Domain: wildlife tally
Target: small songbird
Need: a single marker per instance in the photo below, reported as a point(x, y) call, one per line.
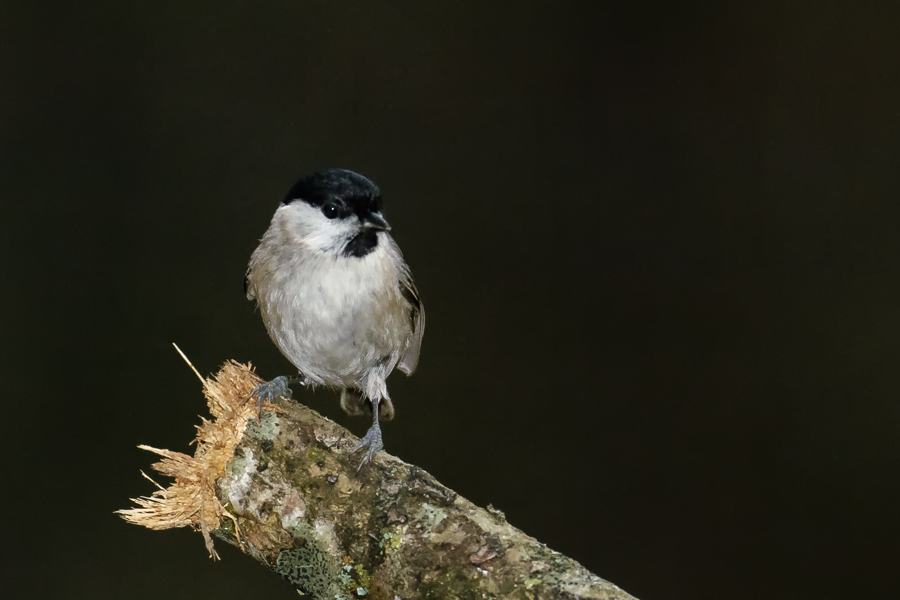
point(336, 296)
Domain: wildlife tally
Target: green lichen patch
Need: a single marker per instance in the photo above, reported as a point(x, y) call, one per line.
point(311, 570)
point(266, 430)
point(430, 516)
point(532, 582)
point(241, 465)
point(355, 579)
point(365, 580)
point(296, 526)
point(391, 542)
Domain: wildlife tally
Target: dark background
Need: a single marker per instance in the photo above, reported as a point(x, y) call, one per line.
point(658, 246)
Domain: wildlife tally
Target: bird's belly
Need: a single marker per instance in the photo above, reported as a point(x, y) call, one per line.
point(335, 329)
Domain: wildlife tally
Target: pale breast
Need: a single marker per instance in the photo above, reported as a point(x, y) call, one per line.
point(335, 318)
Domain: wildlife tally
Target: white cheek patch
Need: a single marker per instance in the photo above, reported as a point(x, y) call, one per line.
point(309, 226)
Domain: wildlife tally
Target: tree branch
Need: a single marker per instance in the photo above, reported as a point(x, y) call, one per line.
point(286, 492)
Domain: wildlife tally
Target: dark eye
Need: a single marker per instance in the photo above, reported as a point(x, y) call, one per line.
point(330, 210)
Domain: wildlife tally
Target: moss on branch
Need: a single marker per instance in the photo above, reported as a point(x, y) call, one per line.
point(286, 492)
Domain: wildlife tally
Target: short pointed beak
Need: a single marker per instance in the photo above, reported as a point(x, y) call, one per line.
point(375, 221)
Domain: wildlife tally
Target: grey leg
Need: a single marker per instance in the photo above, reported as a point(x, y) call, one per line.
point(372, 440)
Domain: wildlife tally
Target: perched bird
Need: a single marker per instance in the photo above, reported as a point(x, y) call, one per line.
point(336, 296)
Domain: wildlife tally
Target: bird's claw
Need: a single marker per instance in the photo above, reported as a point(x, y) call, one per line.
point(269, 390)
point(371, 441)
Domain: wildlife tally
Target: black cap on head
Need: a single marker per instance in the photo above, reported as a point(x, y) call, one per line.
point(340, 185)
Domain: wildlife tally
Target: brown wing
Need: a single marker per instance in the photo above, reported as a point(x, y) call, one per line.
point(410, 358)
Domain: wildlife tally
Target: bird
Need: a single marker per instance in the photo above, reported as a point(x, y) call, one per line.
point(337, 297)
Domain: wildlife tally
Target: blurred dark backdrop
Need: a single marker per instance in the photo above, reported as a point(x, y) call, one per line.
point(658, 246)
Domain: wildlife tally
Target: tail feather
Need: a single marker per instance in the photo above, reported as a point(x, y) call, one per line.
point(354, 402)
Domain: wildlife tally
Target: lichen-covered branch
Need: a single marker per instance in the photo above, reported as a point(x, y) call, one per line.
point(286, 491)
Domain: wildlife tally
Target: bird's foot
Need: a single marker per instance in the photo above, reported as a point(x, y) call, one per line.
point(269, 390)
point(372, 443)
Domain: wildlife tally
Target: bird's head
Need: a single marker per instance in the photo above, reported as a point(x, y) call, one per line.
point(335, 211)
